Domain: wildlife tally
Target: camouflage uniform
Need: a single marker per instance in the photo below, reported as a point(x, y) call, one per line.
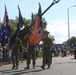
point(15, 53)
point(47, 52)
point(31, 54)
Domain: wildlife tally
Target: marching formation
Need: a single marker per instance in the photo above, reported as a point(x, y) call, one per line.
point(12, 45)
point(16, 52)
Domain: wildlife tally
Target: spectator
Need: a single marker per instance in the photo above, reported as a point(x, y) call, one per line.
point(1, 55)
point(15, 53)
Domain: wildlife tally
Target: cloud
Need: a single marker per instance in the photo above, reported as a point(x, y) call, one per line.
point(59, 29)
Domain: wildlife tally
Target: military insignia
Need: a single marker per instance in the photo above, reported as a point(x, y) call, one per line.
point(39, 31)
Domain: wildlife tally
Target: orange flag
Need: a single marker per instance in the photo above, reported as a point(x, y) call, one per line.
point(37, 32)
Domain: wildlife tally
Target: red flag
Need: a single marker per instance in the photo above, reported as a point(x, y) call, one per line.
point(37, 32)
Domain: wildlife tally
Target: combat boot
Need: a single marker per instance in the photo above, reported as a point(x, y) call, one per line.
point(42, 67)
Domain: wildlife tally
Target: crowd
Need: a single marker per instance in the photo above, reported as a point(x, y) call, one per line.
point(17, 52)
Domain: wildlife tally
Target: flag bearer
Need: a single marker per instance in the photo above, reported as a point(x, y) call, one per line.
point(15, 53)
point(46, 50)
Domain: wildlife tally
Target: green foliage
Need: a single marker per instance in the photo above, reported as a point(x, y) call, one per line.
point(40, 54)
point(14, 22)
point(52, 38)
point(13, 25)
point(0, 24)
point(72, 41)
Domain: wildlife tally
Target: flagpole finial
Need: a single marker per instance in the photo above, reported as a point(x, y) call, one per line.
point(56, 1)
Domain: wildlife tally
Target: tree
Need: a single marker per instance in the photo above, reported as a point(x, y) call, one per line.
point(13, 25)
point(27, 22)
point(52, 37)
point(44, 23)
point(72, 41)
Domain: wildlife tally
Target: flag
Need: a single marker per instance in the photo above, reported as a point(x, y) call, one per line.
point(20, 26)
point(5, 29)
point(37, 32)
point(20, 21)
point(0, 36)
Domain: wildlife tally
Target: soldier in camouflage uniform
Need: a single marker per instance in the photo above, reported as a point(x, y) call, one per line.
point(15, 53)
point(46, 50)
point(31, 54)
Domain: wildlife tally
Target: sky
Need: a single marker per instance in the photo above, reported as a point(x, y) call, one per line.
point(56, 16)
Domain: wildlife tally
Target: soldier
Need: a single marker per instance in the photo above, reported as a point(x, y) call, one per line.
point(15, 53)
point(46, 50)
point(21, 53)
point(30, 55)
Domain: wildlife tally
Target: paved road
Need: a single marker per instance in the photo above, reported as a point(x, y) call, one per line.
point(60, 66)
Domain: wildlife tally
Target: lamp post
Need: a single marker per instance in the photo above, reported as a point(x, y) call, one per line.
point(68, 24)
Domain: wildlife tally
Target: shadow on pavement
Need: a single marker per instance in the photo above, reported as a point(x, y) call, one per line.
point(72, 58)
point(19, 72)
point(65, 62)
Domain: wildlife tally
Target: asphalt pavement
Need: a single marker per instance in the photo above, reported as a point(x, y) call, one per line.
point(60, 66)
